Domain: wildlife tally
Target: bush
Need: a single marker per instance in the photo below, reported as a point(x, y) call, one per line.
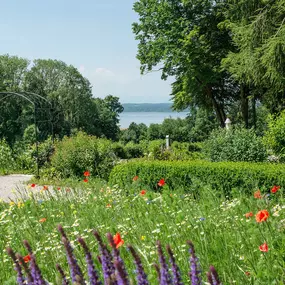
point(74, 155)
point(6, 159)
point(236, 144)
point(224, 177)
point(133, 150)
point(274, 137)
point(185, 151)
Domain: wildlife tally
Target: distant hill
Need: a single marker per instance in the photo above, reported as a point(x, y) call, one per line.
point(147, 107)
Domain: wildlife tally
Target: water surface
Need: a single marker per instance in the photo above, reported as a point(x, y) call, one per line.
point(126, 118)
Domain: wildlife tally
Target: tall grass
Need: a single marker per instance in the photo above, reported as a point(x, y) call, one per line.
point(221, 233)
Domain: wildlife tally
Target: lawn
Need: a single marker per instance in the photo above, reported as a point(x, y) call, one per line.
point(222, 233)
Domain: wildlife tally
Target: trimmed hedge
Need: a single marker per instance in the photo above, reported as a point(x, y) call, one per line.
point(222, 176)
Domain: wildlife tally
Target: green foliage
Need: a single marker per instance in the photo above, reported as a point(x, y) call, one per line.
point(275, 135)
point(185, 151)
point(74, 155)
point(6, 158)
point(184, 40)
point(236, 144)
point(223, 177)
point(134, 150)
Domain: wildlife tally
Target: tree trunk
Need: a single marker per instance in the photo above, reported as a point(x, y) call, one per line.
point(253, 111)
point(244, 104)
point(218, 109)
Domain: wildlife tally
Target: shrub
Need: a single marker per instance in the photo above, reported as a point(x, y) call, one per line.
point(74, 155)
point(184, 151)
point(134, 150)
point(274, 137)
point(236, 144)
point(6, 158)
point(224, 177)
point(156, 149)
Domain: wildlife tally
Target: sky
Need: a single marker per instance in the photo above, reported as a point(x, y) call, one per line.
point(93, 35)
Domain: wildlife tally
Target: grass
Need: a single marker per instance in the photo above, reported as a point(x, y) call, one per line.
point(217, 226)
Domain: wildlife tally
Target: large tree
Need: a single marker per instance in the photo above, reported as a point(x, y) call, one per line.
point(258, 31)
point(68, 91)
point(12, 73)
point(182, 39)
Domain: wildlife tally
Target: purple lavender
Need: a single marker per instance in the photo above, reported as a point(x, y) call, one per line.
point(106, 261)
point(121, 273)
point(75, 270)
point(35, 270)
point(165, 277)
point(18, 269)
point(113, 267)
point(174, 268)
point(30, 280)
point(62, 274)
point(141, 275)
point(194, 270)
point(118, 262)
point(213, 277)
point(92, 273)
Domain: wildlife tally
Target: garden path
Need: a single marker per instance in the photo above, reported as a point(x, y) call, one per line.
point(10, 184)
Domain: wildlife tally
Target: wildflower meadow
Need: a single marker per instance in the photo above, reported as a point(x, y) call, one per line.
point(241, 236)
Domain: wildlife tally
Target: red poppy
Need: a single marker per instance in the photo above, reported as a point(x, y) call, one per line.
point(27, 258)
point(42, 220)
point(262, 216)
point(33, 185)
point(143, 192)
point(58, 188)
point(275, 189)
point(263, 247)
point(161, 182)
point(109, 206)
point(45, 187)
point(250, 214)
point(86, 173)
point(117, 240)
point(247, 273)
point(85, 180)
point(257, 194)
point(135, 178)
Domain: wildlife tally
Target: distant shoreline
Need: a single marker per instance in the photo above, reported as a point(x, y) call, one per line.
point(149, 108)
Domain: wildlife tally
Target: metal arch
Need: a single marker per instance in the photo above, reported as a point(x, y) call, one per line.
point(24, 96)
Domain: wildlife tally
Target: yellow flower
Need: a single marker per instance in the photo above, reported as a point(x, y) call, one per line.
point(143, 237)
point(20, 205)
point(12, 203)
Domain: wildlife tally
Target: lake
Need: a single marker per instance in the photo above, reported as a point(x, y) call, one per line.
point(126, 118)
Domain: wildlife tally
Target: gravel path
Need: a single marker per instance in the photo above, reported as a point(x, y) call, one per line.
point(12, 183)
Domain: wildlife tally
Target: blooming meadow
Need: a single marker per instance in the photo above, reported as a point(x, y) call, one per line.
point(241, 236)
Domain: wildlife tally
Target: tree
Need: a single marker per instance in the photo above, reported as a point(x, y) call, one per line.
point(109, 109)
point(258, 30)
point(12, 121)
point(68, 91)
point(182, 39)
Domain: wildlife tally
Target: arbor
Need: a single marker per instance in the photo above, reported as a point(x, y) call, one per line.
point(182, 39)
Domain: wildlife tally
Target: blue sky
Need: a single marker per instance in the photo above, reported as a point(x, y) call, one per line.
point(93, 35)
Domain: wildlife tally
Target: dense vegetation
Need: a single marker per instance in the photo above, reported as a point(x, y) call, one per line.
point(223, 188)
point(225, 56)
point(242, 237)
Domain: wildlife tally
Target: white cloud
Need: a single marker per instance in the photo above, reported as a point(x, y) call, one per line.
point(104, 71)
point(81, 68)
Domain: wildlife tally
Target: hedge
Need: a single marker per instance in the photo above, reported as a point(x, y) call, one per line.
point(222, 176)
